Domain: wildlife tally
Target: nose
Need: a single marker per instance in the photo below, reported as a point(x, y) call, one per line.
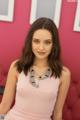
point(41, 46)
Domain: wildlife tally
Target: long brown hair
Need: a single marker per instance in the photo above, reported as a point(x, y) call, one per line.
point(27, 58)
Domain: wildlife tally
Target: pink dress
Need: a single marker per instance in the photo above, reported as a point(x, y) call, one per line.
point(33, 103)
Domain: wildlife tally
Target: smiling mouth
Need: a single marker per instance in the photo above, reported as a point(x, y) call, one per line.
point(41, 53)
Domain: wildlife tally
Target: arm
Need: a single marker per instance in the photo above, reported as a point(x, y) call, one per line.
point(62, 94)
point(10, 89)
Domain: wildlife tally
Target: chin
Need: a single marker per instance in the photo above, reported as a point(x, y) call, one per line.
point(41, 57)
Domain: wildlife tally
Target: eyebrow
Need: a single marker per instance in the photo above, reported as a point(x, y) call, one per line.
point(39, 39)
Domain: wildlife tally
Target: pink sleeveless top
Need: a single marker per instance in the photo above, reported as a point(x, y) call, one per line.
point(33, 103)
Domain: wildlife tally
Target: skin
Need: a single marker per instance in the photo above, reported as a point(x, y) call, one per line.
point(62, 94)
point(41, 42)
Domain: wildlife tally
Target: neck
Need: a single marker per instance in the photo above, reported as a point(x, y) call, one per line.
point(40, 63)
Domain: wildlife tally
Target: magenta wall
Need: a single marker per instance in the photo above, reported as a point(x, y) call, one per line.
point(70, 40)
point(12, 36)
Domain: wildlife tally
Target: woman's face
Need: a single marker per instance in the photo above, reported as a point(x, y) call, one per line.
point(42, 43)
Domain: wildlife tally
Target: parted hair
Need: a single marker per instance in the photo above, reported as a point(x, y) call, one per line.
point(27, 58)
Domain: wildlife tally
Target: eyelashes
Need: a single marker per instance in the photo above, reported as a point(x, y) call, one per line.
point(48, 42)
point(37, 41)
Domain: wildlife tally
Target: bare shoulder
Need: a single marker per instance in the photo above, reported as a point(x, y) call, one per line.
point(13, 64)
point(62, 93)
point(66, 75)
point(10, 87)
point(66, 71)
point(13, 68)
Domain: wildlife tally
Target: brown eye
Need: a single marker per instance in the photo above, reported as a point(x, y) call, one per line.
point(48, 42)
point(35, 40)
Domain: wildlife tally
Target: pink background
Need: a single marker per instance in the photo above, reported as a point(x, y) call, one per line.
point(12, 36)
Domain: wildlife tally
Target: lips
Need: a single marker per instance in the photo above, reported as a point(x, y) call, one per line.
point(41, 53)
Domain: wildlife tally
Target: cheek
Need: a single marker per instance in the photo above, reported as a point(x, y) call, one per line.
point(34, 47)
point(49, 48)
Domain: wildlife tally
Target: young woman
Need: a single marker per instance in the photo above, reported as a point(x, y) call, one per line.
point(38, 80)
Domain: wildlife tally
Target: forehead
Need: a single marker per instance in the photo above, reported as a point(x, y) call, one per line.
point(42, 34)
